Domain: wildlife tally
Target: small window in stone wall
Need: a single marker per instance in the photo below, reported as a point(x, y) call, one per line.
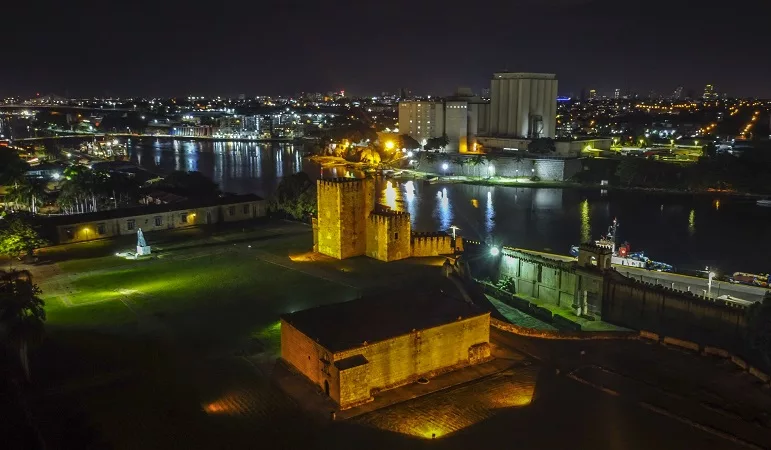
point(232, 211)
point(396, 236)
point(131, 224)
point(183, 217)
point(101, 229)
point(158, 221)
point(68, 231)
point(246, 209)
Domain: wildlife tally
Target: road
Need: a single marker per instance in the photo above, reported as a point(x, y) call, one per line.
point(694, 284)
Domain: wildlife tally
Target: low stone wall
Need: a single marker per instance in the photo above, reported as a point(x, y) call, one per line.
point(504, 166)
point(688, 345)
point(710, 351)
point(563, 335)
point(432, 244)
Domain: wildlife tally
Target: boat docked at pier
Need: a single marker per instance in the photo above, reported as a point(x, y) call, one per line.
point(105, 149)
point(623, 255)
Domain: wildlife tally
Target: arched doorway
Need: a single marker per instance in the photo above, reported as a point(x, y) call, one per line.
point(326, 387)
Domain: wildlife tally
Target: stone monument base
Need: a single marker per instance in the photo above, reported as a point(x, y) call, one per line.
point(141, 251)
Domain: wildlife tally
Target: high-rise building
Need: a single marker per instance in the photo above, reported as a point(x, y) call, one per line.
point(456, 119)
point(709, 92)
point(592, 94)
point(523, 105)
point(421, 120)
point(678, 94)
point(617, 94)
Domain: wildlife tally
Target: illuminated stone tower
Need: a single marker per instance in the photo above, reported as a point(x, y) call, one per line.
point(349, 223)
point(343, 207)
point(389, 234)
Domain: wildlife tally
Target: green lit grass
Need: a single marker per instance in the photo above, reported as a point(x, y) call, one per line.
point(213, 291)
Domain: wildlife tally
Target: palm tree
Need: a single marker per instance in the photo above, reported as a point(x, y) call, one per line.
point(22, 314)
point(460, 162)
point(29, 192)
point(478, 160)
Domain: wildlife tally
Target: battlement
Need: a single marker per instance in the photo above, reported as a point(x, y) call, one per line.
point(385, 211)
point(342, 184)
point(599, 249)
point(432, 234)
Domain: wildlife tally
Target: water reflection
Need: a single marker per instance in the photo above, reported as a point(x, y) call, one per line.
point(239, 167)
point(692, 222)
point(390, 195)
point(442, 213)
point(489, 214)
point(586, 228)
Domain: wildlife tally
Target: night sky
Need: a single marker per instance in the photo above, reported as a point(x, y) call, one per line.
point(260, 47)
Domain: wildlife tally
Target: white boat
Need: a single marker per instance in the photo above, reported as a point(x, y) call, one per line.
point(766, 203)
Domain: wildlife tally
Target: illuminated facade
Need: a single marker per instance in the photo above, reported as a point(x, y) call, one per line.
point(523, 105)
point(349, 223)
point(421, 120)
point(352, 350)
point(155, 217)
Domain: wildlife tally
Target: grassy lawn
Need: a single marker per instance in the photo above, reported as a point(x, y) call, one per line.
point(586, 325)
point(137, 351)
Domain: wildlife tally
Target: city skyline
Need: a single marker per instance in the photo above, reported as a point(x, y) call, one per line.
point(171, 49)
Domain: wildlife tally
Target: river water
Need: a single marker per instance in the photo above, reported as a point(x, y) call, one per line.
point(691, 232)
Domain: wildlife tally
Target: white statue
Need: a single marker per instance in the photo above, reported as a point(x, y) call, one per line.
point(142, 247)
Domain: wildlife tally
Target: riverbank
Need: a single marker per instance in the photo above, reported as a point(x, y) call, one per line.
point(160, 136)
point(527, 182)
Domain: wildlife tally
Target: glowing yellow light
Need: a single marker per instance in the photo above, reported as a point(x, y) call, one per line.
point(390, 145)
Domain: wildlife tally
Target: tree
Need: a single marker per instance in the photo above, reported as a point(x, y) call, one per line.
point(18, 238)
point(12, 167)
point(461, 162)
point(370, 156)
point(22, 314)
point(30, 192)
point(476, 161)
point(83, 189)
point(296, 196)
point(437, 143)
point(628, 169)
point(541, 146)
point(408, 142)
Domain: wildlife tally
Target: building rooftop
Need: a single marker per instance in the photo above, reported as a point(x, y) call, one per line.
point(346, 325)
point(148, 209)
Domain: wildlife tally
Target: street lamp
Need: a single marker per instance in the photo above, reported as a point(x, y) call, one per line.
point(454, 228)
point(710, 276)
point(445, 166)
point(494, 251)
point(389, 145)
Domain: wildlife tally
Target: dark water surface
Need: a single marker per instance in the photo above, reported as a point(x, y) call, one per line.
point(691, 232)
